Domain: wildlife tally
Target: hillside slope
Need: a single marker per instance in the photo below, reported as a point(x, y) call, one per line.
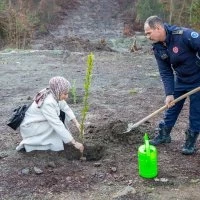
point(93, 20)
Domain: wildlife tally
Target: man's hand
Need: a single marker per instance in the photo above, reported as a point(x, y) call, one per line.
point(168, 101)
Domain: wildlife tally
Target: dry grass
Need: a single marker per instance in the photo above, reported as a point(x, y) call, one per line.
point(19, 19)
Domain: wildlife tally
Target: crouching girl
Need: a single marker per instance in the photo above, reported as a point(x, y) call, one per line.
point(42, 128)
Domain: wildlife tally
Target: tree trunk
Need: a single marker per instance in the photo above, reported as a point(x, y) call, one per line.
point(181, 12)
point(171, 11)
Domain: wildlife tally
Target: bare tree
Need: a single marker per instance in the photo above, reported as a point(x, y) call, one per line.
point(181, 11)
point(171, 11)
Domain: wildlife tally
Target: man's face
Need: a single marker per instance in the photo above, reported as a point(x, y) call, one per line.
point(155, 35)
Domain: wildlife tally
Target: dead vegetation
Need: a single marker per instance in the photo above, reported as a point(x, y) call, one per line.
point(21, 20)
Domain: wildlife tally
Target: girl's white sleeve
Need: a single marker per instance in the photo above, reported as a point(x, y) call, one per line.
point(50, 113)
point(67, 110)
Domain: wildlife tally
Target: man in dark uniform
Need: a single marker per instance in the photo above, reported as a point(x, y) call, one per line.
point(177, 52)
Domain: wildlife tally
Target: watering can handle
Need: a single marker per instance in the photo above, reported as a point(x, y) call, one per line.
point(147, 146)
point(164, 107)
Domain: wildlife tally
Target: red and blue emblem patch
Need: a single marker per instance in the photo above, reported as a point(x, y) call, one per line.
point(175, 49)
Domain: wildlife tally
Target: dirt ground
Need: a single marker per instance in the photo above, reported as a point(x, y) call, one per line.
point(125, 88)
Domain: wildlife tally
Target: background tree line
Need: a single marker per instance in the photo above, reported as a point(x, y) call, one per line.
point(179, 12)
point(20, 20)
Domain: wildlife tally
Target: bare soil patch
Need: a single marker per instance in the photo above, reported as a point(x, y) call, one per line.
point(125, 88)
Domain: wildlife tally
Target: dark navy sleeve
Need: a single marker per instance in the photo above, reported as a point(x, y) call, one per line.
point(165, 69)
point(192, 39)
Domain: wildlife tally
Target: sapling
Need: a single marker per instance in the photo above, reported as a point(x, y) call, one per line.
point(87, 85)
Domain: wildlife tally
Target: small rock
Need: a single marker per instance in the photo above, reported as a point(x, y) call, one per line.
point(110, 183)
point(37, 170)
point(101, 175)
point(97, 164)
point(82, 158)
point(115, 176)
point(113, 169)
point(127, 190)
point(68, 178)
point(82, 177)
point(25, 171)
point(130, 182)
point(29, 98)
point(52, 164)
point(164, 180)
point(3, 155)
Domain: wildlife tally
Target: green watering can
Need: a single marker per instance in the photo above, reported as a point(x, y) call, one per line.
point(147, 159)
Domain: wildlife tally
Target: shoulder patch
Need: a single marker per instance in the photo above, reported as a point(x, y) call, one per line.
point(177, 32)
point(194, 34)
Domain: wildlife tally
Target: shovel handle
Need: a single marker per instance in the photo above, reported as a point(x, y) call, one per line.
point(165, 107)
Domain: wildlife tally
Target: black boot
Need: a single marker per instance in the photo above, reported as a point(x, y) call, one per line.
point(189, 147)
point(163, 135)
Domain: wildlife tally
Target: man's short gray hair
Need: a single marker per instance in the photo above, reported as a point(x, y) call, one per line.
point(152, 21)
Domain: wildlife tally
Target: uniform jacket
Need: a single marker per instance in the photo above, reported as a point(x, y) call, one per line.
point(178, 58)
point(42, 128)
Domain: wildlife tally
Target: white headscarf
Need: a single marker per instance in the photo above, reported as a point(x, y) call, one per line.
point(57, 85)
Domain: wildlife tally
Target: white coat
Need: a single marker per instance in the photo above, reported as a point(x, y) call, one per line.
point(42, 128)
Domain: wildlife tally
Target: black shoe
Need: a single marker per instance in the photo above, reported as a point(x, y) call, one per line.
point(162, 137)
point(189, 147)
point(22, 150)
point(189, 151)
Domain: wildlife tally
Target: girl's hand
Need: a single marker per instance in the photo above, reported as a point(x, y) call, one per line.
point(78, 146)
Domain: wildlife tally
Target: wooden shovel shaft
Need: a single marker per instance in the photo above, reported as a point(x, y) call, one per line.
point(165, 107)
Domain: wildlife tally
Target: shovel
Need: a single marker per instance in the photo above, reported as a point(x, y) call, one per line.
point(130, 128)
